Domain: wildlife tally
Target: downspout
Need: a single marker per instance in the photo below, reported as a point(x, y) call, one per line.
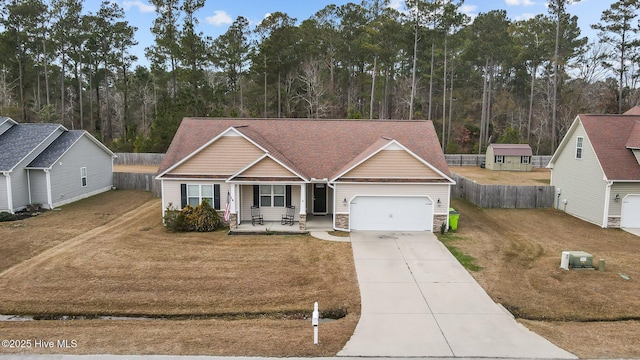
point(9, 193)
point(607, 200)
point(29, 185)
point(334, 203)
point(47, 176)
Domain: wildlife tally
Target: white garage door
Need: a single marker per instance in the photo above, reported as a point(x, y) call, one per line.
point(387, 213)
point(630, 212)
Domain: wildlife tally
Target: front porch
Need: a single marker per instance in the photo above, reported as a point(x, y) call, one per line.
point(314, 223)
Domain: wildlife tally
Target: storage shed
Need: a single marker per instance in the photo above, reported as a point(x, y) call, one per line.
point(509, 157)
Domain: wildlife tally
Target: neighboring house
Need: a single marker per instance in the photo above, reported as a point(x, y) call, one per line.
point(367, 175)
point(596, 170)
point(49, 165)
point(509, 157)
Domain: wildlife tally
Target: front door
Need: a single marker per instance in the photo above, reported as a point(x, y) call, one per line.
point(319, 198)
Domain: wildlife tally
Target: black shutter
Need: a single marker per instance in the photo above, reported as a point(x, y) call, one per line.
point(256, 195)
point(216, 196)
point(183, 195)
point(287, 195)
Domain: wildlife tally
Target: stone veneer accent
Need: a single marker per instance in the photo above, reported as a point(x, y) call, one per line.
point(233, 221)
point(437, 222)
point(303, 222)
point(613, 222)
point(342, 221)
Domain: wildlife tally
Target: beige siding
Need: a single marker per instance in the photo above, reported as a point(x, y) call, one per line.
point(268, 213)
point(622, 189)
point(580, 181)
point(172, 194)
point(226, 156)
point(434, 191)
point(636, 153)
point(267, 167)
point(392, 164)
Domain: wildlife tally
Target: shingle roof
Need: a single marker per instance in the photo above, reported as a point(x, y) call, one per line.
point(512, 149)
point(315, 148)
point(20, 140)
point(58, 147)
point(633, 111)
point(609, 135)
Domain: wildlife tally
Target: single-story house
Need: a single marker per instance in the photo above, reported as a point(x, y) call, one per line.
point(49, 165)
point(509, 157)
point(366, 175)
point(596, 170)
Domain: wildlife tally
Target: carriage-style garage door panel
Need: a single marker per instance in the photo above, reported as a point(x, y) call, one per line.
point(630, 212)
point(391, 213)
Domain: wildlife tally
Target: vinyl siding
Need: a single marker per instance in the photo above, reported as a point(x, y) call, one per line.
point(38, 182)
point(392, 164)
point(511, 163)
point(226, 156)
point(434, 191)
point(66, 185)
point(4, 204)
point(581, 181)
point(268, 213)
point(623, 189)
point(172, 193)
point(19, 185)
point(265, 168)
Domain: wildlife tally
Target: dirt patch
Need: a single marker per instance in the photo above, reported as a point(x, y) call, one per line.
point(519, 252)
point(142, 169)
point(257, 289)
point(537, 176)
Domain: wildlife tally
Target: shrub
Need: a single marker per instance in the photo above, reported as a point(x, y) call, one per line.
point(5, 216)
point(202, 218)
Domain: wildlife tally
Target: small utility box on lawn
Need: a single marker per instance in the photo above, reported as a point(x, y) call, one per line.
point(580, 260)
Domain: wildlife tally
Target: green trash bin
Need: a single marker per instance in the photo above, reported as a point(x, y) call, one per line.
point(453, 219)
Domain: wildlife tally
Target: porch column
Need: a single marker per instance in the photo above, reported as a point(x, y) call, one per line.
point(303, 207)
point(233, 211)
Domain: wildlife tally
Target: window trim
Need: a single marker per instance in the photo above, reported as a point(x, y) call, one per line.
point(272, 195)
point(83, 177)
point(499, 159)
point(579, 147)
point(525, 160)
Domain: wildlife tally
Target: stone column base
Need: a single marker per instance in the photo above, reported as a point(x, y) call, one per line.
point(437, 222)
point(342, 221)
point(303, 222)
point(233, 221)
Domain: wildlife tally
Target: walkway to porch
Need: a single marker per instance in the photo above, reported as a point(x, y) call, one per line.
point(314, 223)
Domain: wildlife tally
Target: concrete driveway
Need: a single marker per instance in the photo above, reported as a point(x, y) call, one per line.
point(418, 301)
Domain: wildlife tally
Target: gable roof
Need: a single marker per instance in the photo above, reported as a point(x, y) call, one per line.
point(512, 149)
point(633, 111)
point(49, 156)
point(609, 136)
point(21, 140)
point(312, 148)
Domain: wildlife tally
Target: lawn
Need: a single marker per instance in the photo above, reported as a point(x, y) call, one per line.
point(206, 293)
point(593, 314)
point(537, 176)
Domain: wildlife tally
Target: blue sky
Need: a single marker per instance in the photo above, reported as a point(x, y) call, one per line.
point(217, 15)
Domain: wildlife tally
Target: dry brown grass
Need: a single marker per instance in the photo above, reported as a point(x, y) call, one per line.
point(537, 176)
point(590, 313)
point(251, 291)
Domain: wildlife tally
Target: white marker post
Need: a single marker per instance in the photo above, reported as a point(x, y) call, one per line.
point(315, 318)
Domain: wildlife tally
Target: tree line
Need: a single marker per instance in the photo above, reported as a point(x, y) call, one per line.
point(482, 80)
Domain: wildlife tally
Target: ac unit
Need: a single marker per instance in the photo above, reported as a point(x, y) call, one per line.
point(580, 260)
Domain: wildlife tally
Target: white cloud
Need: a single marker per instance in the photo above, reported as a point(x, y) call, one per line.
point(142, 7)
point(519, 2)
point(396, 4)
point(220, 17)
point(525, 16)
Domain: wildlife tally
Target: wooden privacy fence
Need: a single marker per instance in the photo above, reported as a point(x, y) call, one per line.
point(503, 196)
point(137, 181)
point(476, 160)
point(138, 159)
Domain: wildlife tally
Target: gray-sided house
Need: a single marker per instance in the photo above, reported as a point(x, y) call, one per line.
point(49, 165)
point(508, 157)
point(366, 175)
point(596, 170)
